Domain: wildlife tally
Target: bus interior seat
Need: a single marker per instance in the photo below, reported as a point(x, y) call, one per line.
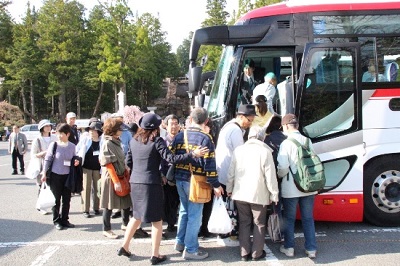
point(391, 71)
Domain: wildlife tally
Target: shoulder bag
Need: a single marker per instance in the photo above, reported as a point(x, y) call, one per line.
point(200, 190)
point(48, 171)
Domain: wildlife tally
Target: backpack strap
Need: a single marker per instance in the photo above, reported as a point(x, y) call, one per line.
point(298, 144)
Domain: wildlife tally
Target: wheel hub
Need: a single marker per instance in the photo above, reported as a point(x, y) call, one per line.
point(386, 191)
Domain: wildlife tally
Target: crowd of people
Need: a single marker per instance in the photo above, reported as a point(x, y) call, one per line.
point(250, 165)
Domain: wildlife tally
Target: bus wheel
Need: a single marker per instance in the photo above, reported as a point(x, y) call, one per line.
point(382, 192)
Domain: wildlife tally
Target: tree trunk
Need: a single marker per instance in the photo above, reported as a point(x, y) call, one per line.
point(32, 94)
point(98, 102)
point(62, 105)
point(78, 104)
point(115, 87)
point(53, 107)
point(24, 104)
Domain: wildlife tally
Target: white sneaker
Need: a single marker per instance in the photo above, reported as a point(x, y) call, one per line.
point(228, 242)
point(43, 212)
point(287, 251)
point(312, 254)
point(199, 255)
point(123, 227)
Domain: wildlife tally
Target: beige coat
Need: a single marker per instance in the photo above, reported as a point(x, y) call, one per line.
point(252, 175)
point(112, 153)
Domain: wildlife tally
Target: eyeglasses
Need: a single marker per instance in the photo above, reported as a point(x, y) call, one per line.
point(250, 121)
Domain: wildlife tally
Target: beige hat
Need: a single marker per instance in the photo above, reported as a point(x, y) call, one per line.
point(71, 115)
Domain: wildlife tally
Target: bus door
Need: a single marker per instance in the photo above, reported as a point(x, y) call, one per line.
point(328, 104)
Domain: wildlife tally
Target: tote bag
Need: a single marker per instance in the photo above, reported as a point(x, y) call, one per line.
point(46, 198)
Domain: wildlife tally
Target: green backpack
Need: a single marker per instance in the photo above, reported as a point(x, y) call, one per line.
point(310, 174)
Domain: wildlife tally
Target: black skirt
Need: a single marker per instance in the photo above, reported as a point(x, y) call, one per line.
point(148, 202)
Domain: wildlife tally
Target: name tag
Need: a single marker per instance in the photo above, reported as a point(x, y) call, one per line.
point(67, 163)
point(96, 153)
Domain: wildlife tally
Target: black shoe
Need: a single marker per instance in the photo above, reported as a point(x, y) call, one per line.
point(116, 215)
point(22, 173)
point(140, 233)
point(14, 173)
point(171, 228)
point(68, 225)
point(123, 252)
point(97, 212)
point(246, 258)
point(156, 260)
point(86, 215)
point(263, 255)
point(59, 227)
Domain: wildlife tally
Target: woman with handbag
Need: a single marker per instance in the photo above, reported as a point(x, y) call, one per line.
point(147, 149)
point(112, 160)
point(39, 149)
point(56, 169)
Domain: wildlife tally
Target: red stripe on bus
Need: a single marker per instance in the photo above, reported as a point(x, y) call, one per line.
point(386, 93)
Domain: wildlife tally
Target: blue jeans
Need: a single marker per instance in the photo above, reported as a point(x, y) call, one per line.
point(190, 215)
point(306, 205)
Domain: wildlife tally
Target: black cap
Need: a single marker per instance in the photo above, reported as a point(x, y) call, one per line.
point(247, 109)
point(150, 121)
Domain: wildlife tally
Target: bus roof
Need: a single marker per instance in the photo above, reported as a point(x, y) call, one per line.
point(298, 6)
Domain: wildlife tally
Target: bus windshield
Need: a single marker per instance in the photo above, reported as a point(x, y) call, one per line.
point(221, 86)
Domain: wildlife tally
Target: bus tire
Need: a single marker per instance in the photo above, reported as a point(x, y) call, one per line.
point(382, 191)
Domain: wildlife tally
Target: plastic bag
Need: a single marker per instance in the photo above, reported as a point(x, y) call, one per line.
point(46, 198)
point(220, 222)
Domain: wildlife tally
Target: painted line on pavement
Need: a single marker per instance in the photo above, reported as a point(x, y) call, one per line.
point(42, 259)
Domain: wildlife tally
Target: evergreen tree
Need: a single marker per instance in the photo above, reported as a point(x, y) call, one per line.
point(62, 39)
point(216, 16)
point(182, 54)
point(25, 62)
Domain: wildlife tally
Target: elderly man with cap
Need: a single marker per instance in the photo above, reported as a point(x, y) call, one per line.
point(148, 150)
point(230, 137)
point(89, 152)
point(74, 136)
point(253, 186)
point(267, 89)
point(39, 149)
point(291, 196)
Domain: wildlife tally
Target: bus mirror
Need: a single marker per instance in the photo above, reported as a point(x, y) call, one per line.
point(195, 78)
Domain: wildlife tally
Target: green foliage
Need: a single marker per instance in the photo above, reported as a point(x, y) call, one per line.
point(182, 54)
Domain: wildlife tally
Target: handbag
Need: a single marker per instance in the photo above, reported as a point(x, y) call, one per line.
point(274, 226)
point(46, 198)
point(125, 185)
point(200, 190)
point(48, 171)
point(219, 222)
point(171, 174)
point(233, 215)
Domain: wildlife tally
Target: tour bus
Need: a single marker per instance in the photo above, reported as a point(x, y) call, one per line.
point(337, 66)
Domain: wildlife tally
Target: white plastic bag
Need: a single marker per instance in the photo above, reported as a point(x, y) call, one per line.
point(220, 222)
point(46, 198)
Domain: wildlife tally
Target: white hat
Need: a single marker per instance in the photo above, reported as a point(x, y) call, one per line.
point(43, 123)
point(71, 115)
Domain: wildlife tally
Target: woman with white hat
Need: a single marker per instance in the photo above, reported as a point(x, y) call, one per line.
point(39, 148)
